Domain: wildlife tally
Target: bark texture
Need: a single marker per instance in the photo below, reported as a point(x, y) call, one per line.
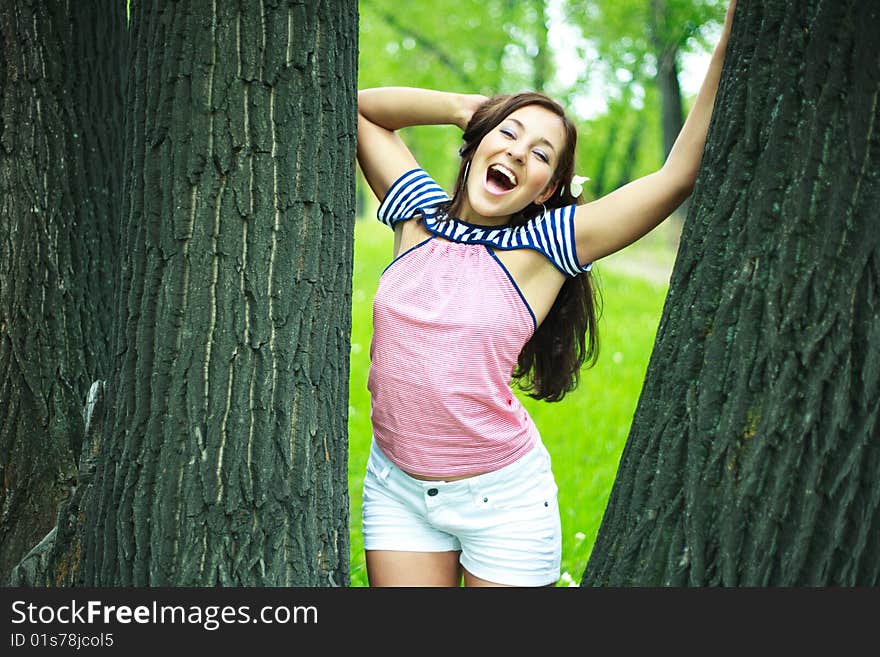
point(225, 461)
point(60, 146)
point(214, 449)
point(754, 455)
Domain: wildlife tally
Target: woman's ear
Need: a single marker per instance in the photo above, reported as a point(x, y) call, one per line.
point(547, 193)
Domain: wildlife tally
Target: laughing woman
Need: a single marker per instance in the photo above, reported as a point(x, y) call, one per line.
point(488, 285)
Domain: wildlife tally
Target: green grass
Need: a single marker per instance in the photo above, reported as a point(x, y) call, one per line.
point(584, 433)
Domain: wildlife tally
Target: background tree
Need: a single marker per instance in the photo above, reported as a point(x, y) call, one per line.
point(641, 42)
point(639, 46)
point(216, 449)
point(753, 457)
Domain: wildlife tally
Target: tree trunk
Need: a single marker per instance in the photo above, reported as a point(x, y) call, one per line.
point(666, 51)
point(670, 93)
point(672, 110)
point(60, 147)
point(631, 154)
point(226, 460)
point(754, 454)
point(216, 451)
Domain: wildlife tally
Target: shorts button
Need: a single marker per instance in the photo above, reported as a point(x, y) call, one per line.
point(432, 492)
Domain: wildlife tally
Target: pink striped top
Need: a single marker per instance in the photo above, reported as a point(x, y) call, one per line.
point(449, 323)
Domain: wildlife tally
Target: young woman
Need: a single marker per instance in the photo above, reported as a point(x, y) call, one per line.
point(487, 285)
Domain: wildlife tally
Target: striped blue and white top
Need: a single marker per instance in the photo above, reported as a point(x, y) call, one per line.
point(551, 234)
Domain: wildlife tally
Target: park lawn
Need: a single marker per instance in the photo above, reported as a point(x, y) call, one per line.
point(584, 433)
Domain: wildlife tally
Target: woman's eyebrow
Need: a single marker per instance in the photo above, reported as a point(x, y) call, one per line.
point(543, 140)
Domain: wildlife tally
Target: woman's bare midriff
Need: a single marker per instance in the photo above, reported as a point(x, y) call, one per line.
point(454, 478)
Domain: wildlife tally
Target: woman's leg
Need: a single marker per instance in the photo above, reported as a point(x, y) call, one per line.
point(473, 580)
point(397, 568)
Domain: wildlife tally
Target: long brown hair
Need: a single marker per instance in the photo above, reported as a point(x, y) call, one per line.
point(549, 364)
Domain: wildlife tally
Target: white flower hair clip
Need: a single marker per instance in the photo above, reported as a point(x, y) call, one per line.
point(577, 185)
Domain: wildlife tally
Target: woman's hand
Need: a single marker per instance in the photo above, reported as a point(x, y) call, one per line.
point(469, 105)
point(382, 111)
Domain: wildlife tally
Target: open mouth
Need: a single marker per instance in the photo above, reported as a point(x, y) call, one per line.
point(500, 179)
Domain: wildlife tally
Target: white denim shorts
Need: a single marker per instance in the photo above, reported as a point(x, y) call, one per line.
point(505, 523)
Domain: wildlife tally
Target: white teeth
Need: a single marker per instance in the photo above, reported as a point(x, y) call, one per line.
point(511, 176)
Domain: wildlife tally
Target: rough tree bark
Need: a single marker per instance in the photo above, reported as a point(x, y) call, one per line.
point(60, 147)
point(754, 455)
point(222, 456)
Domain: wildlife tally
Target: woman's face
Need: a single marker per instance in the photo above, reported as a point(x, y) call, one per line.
point(513, 165)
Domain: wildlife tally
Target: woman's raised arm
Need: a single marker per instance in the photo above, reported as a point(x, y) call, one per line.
point(618, 219)
point(382, 111)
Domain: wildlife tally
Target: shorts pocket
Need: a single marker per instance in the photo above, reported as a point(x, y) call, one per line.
point(525, 496)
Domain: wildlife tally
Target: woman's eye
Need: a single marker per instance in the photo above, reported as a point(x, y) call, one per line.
point(542, 156)
point(508, 133)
